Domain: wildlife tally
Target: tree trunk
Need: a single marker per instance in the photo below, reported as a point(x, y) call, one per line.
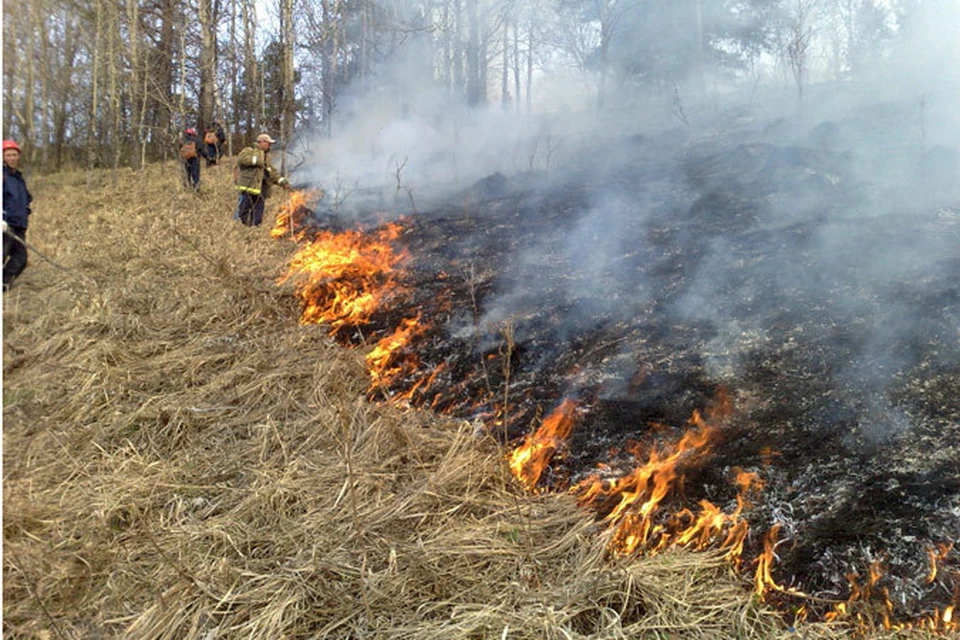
point(113, 51)
point(44, 120)
point(605, 34)
point(530, 39)
point(446, 64)
point(11, 65)
point(289, 104)
point(208, 64)
point(254, 90)
point(459, 84)
point(137, 99)
point(232, 116)
point(93, 123)
point(64, 86)
point(163, 80)
point(505, 72)
point(516, 64)
point(473, 54)
point(34, 10)
point(330, 45)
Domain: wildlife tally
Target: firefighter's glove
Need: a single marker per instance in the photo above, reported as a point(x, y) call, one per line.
point(5, 227)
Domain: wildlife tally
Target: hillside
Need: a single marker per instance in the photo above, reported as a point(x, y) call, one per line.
point(183, 459)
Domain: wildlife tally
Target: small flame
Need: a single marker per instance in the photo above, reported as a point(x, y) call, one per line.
point(937, 555)
point(289, 221)
point(862, 604)
point(763, 579)
point(529, 460)
point(382, 360)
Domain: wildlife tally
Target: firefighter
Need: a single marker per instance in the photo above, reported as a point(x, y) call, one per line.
point(210, 146)
point(191, 149)
point(221, 137)
point(253, 176)
point(16, 213)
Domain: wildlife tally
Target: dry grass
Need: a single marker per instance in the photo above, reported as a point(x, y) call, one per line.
point(182, 459)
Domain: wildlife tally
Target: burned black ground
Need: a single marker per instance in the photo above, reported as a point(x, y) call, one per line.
point(649, 274)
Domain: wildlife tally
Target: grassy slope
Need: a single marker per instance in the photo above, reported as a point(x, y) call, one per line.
point(182, 459)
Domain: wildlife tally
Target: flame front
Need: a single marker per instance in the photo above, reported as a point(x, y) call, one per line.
point(343, 278)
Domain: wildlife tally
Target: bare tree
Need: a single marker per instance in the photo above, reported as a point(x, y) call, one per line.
point(65, 55)
point(611, 14)
point(798, 45)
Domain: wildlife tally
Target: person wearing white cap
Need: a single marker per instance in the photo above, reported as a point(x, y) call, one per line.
point(253, 176)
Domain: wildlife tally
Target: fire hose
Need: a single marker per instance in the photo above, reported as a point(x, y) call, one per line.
point(7, 232)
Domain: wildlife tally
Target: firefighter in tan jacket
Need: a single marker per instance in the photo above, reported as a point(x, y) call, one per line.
point(253, 176)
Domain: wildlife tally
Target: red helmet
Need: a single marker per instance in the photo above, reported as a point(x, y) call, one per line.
point(191, 131)
point(11, 144)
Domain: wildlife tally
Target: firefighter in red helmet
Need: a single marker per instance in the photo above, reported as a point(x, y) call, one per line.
point(191, 149)
point(16, 214)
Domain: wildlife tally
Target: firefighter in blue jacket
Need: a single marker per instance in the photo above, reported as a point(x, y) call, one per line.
point(16, 213)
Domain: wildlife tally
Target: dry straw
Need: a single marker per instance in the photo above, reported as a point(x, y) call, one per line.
point(182, 459)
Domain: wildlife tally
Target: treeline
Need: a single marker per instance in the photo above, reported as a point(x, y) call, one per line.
point(113, 82)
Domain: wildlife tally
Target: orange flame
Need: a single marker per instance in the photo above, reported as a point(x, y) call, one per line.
point(632, 501)
point(384, 354)
point(864, 606)
point(529, 460)
point(289, 221)
point(343, 278)
point(936, 556)
point(763, 578)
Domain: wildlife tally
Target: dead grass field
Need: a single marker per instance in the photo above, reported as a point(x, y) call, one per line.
point(182, 459)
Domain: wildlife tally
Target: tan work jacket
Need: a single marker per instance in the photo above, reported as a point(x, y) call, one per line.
point(255, 173)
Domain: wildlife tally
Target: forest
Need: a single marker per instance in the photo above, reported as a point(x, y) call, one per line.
point(110, 83)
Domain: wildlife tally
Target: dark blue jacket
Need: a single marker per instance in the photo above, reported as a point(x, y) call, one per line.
point(16, 198)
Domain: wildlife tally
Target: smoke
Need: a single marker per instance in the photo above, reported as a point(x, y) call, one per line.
point(410, 138)
point(829, 223)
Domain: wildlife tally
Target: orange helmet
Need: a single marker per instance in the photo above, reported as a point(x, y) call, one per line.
point(11, 144)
